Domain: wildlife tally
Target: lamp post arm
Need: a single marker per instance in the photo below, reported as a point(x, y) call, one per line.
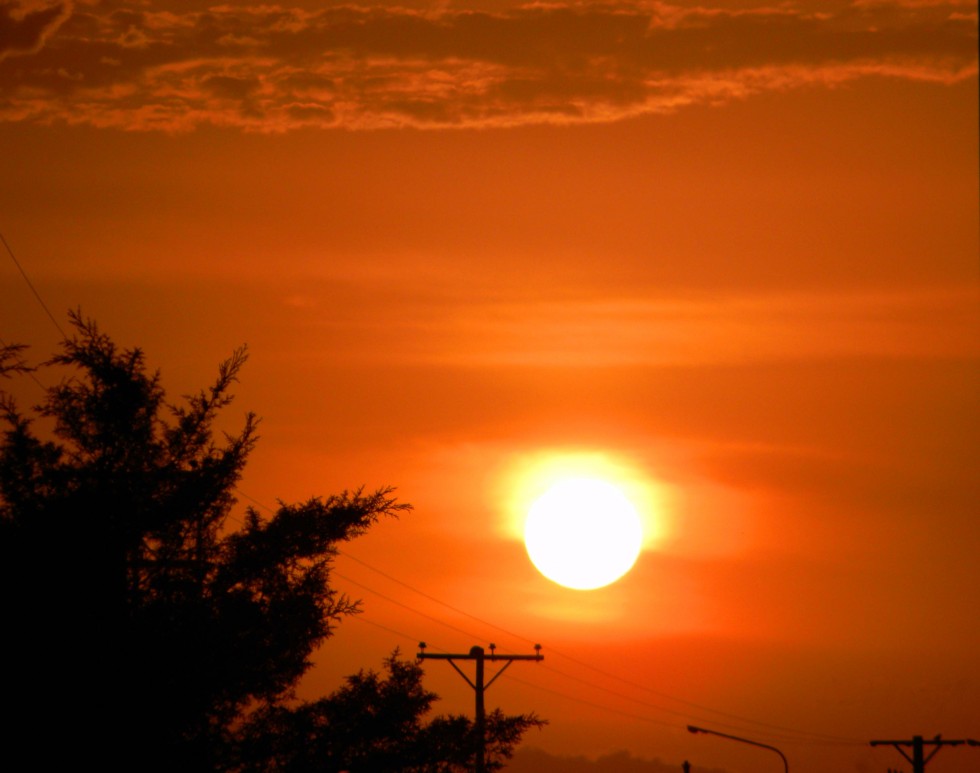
point(693, 729)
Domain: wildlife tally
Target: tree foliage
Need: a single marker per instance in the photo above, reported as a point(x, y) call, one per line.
point(147, 628)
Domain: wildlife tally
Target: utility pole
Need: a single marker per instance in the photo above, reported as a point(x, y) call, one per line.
point(479, 685)
point(918, 744)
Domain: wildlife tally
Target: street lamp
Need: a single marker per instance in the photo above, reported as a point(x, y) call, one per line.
point(693, 729)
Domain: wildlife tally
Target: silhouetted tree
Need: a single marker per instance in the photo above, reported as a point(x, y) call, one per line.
point(146, 629)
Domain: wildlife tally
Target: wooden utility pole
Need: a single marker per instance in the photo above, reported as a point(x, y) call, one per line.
point(479, 685)
point(918, 745)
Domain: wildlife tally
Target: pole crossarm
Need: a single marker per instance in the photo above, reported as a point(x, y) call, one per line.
point(918, 744)
point(503, 668)
point(462, 674)
point(471, 656)
point(693, 729)
point(479, 684)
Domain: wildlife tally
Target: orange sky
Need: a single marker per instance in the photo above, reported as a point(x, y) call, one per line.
point(730, 246)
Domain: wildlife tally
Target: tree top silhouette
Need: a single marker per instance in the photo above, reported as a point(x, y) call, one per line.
point(176, 631)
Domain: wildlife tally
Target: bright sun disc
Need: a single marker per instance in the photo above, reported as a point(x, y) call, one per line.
point(583, 533)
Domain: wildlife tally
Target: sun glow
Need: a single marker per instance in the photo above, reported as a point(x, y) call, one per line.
point(583, 533)
point(584, 517)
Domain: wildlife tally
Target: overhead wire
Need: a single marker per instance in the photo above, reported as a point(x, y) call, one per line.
point(791, 735)
point(593, 704)
point(607, 674)
point(533, 685)
point(796, 734)
point(30, 284)
point(566, 696)
point(448, 606)
point(465, 632)
point(700, 707)
point(402, 634)
point(29, 371)
point(404, 606)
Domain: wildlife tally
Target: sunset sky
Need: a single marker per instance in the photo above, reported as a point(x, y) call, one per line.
point(725, 253)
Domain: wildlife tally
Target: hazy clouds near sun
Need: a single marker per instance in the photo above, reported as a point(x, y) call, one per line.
point(273, 68)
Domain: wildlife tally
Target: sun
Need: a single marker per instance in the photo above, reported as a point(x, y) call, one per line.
point(583, 533)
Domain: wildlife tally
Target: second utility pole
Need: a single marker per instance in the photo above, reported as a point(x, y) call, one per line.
point(479, 655)
point(918, 744)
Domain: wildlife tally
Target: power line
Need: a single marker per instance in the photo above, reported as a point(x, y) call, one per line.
point(30, 284)
point(550, 690)
point(533, 685)
point(404, 606)
point(748, 720)
point(593, 704)
point(402, 634)
point(37, 295)
point(28, 370)
point(700, 707)
point(797, 735)
point(457, 610)
point(457, 628)
point(794, 738)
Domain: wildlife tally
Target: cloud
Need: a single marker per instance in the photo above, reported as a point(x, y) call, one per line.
point(276, 68)
point(590, 333)
point(23, 30)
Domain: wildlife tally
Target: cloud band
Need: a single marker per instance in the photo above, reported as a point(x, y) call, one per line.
point(274, 68)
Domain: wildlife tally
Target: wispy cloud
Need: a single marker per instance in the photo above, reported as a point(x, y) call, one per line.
point(598, 332)
point(274, 68)
point(925, 324)
point(24, 28)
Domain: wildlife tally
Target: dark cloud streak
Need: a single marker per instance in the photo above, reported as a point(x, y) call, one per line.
point(23, 31)
point(275, 68)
